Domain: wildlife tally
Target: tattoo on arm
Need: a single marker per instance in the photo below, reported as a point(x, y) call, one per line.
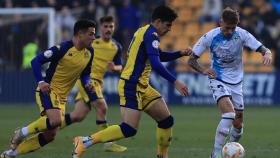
point(194, 63)
point(262, 49)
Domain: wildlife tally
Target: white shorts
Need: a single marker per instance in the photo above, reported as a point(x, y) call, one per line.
point(221, 89)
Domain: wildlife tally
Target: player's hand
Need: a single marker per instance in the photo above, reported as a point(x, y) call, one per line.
point(111, 66)
point(209, 72)
point(90, 87)
point(267, 58)
point(45, 87)
point(181, 87)
point(186, 52)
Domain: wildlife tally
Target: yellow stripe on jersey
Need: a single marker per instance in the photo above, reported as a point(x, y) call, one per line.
point(104, 52)
point(133, 56)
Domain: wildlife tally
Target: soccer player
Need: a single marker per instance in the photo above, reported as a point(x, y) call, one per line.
point(107, 55)
point(226, 73)
point(69, 61)
point(136, 94)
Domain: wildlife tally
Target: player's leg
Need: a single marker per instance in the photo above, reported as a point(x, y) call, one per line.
point(160, 113)
point(127, 128)
point(130, 114)
point(222, 94)
point(49, 105)
point(237, 100)
point(222, 131)
point(32, 143)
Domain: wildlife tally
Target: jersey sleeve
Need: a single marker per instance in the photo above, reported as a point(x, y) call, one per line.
point(118, 57)
point(249, 40)
point(52, 54)
point(202, 44)
point(151, 42)
point(169, 56)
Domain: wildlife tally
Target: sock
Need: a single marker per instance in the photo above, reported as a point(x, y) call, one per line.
point(222, 132)
point(235, 134)
point(11, 152)
point(37, 126)
point(164, 137)
point(111, 133)
point(66, 121)
point(32, 143)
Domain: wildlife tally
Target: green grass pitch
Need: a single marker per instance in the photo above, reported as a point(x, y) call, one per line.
point(192, 138)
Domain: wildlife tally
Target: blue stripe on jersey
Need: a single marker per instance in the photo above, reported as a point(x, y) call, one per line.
point(64, 47)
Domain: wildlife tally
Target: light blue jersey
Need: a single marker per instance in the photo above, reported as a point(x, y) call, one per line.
point(226, 52)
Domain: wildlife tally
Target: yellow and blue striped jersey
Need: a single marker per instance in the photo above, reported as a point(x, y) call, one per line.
point(138, 67)
point(67, 64)
point(104, 52)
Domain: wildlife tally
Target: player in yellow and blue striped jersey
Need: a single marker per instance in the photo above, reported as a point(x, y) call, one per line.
point(136, 94)
point(69, 61)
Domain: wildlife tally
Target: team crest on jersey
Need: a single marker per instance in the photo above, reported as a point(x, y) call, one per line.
point(48, 53)
point(155, 44)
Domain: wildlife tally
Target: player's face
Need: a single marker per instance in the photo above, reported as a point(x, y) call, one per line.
point(164, 27)
point(227, 29)
point(107, 30)
point(88, 36)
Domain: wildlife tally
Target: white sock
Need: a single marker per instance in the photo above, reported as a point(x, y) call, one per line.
point(11, 152)
point(24, 131)
point(222, 132)
point(87, 141)
point(235, 134)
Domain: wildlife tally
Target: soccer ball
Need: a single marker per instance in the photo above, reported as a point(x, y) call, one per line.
point(233, 150)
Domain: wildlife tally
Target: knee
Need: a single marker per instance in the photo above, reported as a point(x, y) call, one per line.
point(166, 123)
point(127, 130)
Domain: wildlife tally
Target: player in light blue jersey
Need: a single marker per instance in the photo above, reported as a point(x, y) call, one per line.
point(226, 73)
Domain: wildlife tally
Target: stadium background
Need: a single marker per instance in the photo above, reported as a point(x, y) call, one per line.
point(21, 33)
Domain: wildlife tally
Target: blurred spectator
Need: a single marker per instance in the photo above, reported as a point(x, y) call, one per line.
point(104, 8)
point(65, 20)
point(30, 50)
point(89, 12)
point(211, 11)
point(129, 21)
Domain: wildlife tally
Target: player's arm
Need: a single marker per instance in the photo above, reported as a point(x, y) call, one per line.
point(36, 64)
point(151, 44)
point(199, 48)
point(251, 42)
point(116, 65)
point(85, 77)
point(267, 55)
point(170, 56)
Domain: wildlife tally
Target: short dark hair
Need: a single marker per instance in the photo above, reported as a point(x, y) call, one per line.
point(230, 16)
point(164, 13)
point(106, 19)
point(83, 25)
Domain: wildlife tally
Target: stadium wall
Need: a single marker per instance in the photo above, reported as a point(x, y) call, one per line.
point(259, 88)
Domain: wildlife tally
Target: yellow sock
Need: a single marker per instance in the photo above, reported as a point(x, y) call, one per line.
point(32, 143)
point(111, 133)
point(39, 125)
point(164, 137)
